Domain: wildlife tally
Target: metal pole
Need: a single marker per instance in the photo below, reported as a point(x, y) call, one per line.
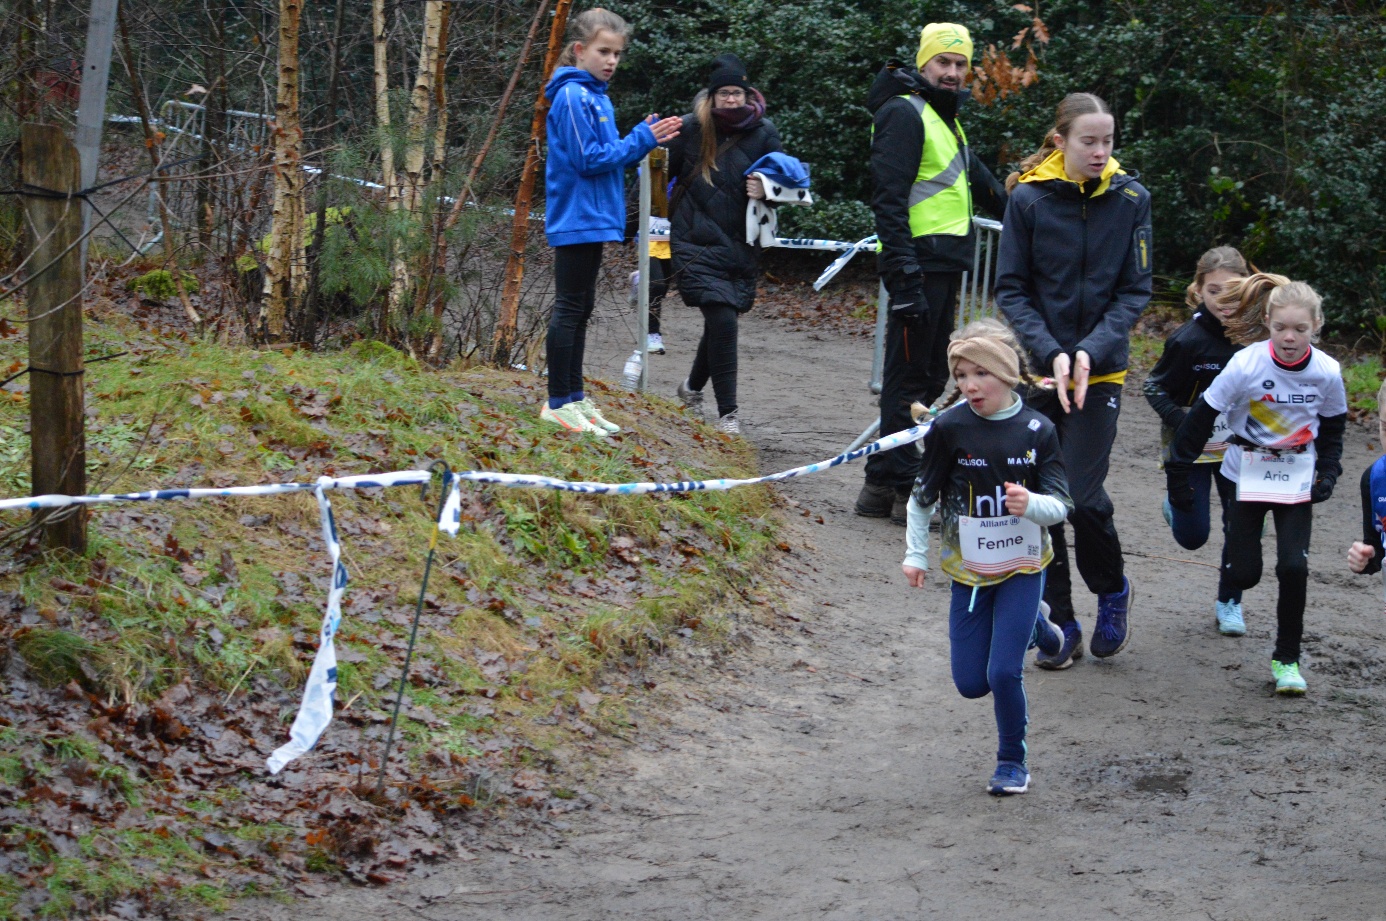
point(91, 104)
point(878, 357)
point(418, 610)
point(643, 261)
point(865, 436)
point(986, 277)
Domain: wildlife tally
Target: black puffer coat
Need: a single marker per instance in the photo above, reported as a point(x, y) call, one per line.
point(713, 263)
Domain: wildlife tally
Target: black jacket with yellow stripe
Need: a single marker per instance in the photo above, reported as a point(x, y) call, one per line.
point(1073, 272)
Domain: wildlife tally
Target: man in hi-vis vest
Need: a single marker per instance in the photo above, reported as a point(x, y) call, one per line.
point(926, 183)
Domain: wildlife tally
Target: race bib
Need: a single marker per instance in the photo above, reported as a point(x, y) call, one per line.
point(997, 546)
point(1285, 479)
point(1218, 441)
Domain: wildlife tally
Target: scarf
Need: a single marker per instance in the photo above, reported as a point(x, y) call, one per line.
point(741, 118)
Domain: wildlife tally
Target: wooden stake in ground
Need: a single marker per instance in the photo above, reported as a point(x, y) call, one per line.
point(56, 405)
point(503, 342)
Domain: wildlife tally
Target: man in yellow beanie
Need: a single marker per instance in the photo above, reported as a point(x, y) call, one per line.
point(926, 183)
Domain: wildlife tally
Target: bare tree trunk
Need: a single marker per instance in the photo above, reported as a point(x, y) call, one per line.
point(284, 274)
point(503, 342)
point(504, 105)
point(438, 248)
point(387, 149)
point(152, 144)
point(313, 311)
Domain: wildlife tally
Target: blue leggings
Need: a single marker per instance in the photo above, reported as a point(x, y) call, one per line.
point(1191, 528)
point(988, 648)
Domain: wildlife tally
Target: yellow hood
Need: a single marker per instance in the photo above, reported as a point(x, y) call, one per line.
point(1053, 168)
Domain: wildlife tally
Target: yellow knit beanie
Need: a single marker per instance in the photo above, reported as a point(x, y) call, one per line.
point(940, 38)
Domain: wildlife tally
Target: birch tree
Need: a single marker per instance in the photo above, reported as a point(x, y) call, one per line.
point(285, 277)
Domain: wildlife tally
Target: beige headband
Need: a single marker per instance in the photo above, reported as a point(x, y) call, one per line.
point(997, 357)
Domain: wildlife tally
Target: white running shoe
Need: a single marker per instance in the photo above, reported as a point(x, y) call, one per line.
point(729, 424)
point(1230, 620)
point(590, 413)
point(569, 417)
point(655, 344)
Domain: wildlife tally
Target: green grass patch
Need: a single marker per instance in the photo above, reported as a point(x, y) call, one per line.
point(183, 637)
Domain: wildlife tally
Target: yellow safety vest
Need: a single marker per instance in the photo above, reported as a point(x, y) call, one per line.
point(941, 198)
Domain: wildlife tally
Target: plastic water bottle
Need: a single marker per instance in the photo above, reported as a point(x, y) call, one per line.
point(632, 371)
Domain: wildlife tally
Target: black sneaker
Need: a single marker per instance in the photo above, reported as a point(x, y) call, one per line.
point(875, 501)
point(900, 509)
point(1069, 652)
point(1113, 630)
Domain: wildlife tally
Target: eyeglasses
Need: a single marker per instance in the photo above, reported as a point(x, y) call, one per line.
point(731, 94)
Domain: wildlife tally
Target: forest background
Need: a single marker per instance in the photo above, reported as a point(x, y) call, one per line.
point(1255, 124)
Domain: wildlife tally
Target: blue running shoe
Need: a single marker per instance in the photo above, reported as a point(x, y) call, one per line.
point(1168, 511)
point(1230, 621)
point(1069, 651)
point(1010, 778)
point(1112, 628)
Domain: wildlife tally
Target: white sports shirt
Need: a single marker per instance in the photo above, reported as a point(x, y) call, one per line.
point(1272, 407)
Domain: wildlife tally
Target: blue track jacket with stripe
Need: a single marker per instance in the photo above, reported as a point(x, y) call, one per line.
point(585, 174)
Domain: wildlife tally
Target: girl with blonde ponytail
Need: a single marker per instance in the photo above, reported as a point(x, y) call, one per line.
point(1286, 412)
point(1192, 359)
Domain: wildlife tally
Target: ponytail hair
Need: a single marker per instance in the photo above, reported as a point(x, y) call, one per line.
point(1073, 107)
point(1256, 299)
point(994, 329)
point(584, 27)
point(707, 130)
point(1219, 258)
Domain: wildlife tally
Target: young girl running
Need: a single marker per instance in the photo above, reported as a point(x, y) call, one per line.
point(994, 469)
point(585, 207)
point(1286, 411)
point(1193, 356)
point(1072, 276)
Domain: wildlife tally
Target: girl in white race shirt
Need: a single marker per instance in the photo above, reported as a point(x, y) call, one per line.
point(1287, 409)
point(994, 470)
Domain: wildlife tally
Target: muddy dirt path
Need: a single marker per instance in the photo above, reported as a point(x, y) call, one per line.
point(830, 769)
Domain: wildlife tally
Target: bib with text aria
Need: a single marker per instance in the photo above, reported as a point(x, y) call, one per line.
point(1284, 479)
point(997, 546)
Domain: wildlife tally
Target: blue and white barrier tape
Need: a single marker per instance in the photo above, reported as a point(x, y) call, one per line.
point(837, 264)
point(315, 712)
point(366, 481)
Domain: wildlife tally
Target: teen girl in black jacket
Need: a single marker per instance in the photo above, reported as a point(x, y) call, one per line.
point(1073, 274)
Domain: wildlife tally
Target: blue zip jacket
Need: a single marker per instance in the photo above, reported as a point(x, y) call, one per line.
point(584, 177)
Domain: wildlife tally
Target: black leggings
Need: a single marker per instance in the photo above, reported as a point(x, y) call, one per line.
point(575, 270)
point(716, 356)
point(660, 270)
point(1293, 525)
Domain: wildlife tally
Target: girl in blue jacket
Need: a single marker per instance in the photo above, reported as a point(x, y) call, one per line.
point(584, 185)
point(1072, 277)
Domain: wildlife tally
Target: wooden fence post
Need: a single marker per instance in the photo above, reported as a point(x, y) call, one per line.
point(56, 405)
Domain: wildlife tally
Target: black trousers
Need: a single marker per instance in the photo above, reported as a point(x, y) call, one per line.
point(1293, 526)
point(916, 369)
point(575, 270)
point(1085, 438)
point(716, 356)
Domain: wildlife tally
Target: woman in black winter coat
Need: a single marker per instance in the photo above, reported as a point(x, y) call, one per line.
point(715, 269)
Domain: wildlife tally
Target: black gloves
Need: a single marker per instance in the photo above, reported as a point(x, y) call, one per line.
point(907, 297)
point(1322, 489)
point(1181, 494)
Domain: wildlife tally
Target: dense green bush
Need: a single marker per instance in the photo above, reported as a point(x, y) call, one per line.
point(1252, 124)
